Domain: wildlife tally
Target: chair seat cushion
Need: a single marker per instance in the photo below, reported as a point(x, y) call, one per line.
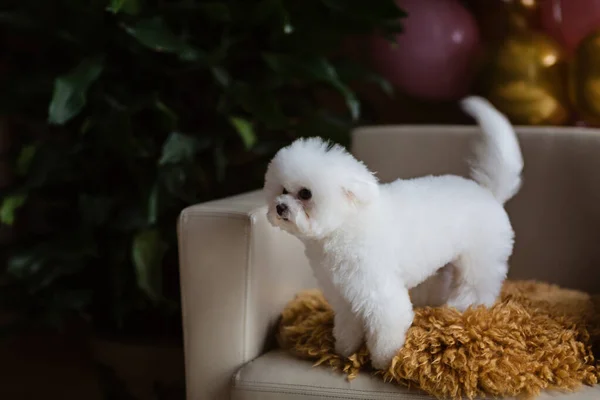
point(536, 337)
point(279, 376)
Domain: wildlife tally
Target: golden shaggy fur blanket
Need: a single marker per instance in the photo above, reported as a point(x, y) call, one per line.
point(536, 337)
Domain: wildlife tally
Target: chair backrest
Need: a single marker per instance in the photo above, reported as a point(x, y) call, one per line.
point(556, 215)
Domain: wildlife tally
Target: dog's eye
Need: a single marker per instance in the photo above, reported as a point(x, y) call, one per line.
point(285, 191)
point(304, 194)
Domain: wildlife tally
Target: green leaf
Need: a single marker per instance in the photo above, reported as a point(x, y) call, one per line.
point(24, 159)
point(314, 69)
point(352, 101)
point(154, 34)
point(180, 148)
point(170, 115)
point(87, 124)
point(153, 204)
point(9, 208)
point(50, 274)
point(70, 90)
point(245, 130)
point(221, 76)
point(178, 181)
point(383, 83)
point(260, 103)
point(24, 265)
point(147, 253)
point(351, 71)
point(131, 7)
point(266, 12)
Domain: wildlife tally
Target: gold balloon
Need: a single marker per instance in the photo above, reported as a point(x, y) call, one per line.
point(522, 13)
point(525, 79)
point(584, 79)
point(529, 8)
point(497, 18)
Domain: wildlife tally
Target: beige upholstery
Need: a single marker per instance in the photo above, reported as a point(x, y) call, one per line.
point(278, 376)
point(238, 272)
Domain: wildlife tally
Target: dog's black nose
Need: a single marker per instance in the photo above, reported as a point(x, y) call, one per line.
point(281, 208)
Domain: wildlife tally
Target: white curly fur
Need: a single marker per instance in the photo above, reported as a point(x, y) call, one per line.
point(370, 243)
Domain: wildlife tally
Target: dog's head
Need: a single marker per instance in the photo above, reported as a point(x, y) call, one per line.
point(312, 187)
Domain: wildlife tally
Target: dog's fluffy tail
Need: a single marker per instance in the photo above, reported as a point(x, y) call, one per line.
point(498, 163)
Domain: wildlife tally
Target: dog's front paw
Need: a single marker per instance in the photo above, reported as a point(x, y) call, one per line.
point(346, 346)
point(382, 360)
point(384, 352)
point(348, 334)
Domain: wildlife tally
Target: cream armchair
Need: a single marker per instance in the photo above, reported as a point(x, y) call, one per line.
point(237, 272)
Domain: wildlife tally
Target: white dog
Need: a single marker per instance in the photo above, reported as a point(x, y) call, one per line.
point(369, 243)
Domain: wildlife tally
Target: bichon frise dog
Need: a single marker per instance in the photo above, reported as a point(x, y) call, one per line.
point(370, 243)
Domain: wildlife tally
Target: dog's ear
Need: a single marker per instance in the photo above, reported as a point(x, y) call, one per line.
point(361, 191)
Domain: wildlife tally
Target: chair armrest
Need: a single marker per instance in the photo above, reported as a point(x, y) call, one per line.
point(237, 274)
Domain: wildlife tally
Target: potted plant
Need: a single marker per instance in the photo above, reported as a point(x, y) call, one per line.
point(142, 108)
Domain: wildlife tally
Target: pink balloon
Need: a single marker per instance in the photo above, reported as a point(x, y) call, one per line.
point(436, 53)
point(569, 21)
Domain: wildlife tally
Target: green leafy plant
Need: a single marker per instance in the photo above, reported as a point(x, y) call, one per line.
point(123, 112)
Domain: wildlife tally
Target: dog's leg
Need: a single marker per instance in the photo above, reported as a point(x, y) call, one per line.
point(391, 316)
point(385, 307)
point(348, 330)
point(478, 281)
